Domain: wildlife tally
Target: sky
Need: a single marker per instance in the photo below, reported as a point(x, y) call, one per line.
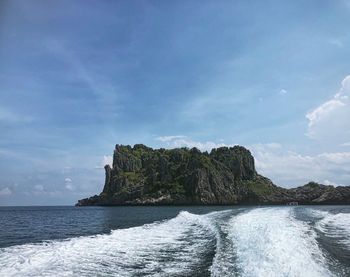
point(78, 77)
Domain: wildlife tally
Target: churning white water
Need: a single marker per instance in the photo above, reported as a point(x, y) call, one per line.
point(161, 248)
point(270, 242)
point(241, 242)
point(335, 226)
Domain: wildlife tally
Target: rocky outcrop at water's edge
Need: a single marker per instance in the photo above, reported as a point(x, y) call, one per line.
point(141, 175)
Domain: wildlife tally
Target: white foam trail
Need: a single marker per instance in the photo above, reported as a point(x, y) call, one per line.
point(224, 260)
point(334, 225)
point(162, 248)
point(270, 242)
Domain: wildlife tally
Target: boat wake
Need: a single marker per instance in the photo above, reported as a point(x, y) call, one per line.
point(335, 226)
point(271, 242)
point(161, 248)
point(239, 242)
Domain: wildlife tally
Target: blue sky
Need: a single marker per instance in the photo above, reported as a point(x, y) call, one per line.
point(77, 77)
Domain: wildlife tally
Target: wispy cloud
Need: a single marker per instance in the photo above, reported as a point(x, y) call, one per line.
point(170, 138)
point(103, 89)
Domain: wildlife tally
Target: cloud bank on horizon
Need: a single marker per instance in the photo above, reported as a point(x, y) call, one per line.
point(77, 77)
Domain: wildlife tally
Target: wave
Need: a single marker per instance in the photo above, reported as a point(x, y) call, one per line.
point(335, 226)
point(171, 247)
point(271, 242)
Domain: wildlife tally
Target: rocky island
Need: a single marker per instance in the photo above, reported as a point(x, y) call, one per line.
point(141, 175)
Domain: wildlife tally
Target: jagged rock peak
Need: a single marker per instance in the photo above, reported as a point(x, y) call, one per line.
point(141, 175)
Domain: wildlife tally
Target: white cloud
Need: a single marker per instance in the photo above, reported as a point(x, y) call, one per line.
point(68, 184)
point(330, 183)
point(289, 168)
point(108, 159)
point(345, 85)
point(283, 92)
point(337, 158)
point(330, 120)
point(5, 192)
point(183, 141)
point(323, 111)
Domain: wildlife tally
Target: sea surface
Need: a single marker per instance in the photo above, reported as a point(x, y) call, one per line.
point(175, 241)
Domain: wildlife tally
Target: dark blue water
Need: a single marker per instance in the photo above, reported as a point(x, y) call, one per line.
point(175, 241)
point(20, 225)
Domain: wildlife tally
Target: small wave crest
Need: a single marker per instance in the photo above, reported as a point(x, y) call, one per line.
point(335, 226)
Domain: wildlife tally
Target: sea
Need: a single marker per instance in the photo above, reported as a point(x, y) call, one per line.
point(175, 241)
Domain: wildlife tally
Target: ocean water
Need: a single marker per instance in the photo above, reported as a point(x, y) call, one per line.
point(175, 241)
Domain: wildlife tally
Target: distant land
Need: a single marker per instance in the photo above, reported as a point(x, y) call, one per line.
point(141, 175)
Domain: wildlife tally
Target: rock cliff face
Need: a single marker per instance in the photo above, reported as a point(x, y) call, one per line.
point(143, 176)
